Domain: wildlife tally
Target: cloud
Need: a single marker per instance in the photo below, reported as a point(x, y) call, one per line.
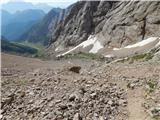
point(53, 3)
point(41, 1)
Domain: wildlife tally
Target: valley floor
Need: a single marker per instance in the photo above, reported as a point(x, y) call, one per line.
point(33, 89)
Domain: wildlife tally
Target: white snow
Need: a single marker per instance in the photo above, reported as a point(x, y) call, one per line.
point(92, 40)
point(57, 49)
point(109, 56)
point(142, 43)
point(116, 48)
point(138, 44)
point(96, 47)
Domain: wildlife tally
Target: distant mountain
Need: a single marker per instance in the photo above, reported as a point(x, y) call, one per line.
point(5, 16)
point(14, 25)
point(16, 48)
point(46, 8)
point(39, 33)
point(13, 7)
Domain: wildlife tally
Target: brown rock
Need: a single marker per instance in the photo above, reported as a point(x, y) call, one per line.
point(75, 69)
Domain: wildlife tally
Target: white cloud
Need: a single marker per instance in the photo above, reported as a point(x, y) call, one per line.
point(54, 3)
point(42, 1)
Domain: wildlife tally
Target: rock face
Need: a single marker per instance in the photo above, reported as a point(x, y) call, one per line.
point(81, 21)
point(117, 24)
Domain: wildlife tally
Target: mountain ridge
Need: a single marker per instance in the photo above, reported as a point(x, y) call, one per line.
point(40, 32)
point(115, 24)
point(16, 24)
point(20, 6)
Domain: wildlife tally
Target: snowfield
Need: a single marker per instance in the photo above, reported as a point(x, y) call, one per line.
point(139, 47)
point(92, 40)
point(142, 43)
point(96, 47)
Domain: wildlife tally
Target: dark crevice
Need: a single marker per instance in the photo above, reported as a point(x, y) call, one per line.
point(144, 28)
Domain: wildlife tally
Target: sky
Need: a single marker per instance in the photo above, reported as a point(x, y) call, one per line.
point(49, 2)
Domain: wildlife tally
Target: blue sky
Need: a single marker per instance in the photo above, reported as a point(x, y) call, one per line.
point(54, 3)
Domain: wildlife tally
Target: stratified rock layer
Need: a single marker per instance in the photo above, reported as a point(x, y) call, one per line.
point(117, 24)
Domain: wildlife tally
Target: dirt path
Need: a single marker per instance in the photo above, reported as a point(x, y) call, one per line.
point(135, 101)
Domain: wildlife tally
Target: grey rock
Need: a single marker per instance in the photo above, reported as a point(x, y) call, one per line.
point(63, 106)
point(8, 100)
point(122, 102)
point(155, 112)
point(115, 23)
point(77, 117)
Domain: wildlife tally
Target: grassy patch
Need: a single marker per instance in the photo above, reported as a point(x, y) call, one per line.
point(16, 48)
point(24, 48)
point(82, 55)
point(39, 47)
point(145, 57)
point(141, 57)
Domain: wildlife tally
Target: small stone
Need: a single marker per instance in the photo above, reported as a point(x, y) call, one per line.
point(131, 85)
point(32, 80)
point(59, 113)
point(101, 118)
point(50, 98)
point(77, 117)
point(93, 95)
point(122, 102)
point(22, 94)
point(155, 112)
point(110, 102)
point(63, 106)
point(72, 97)
point(8, 100)
point(58, 101)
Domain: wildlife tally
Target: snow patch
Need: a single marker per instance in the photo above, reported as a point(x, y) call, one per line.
point(116, 48)
point(92, 40)
point(109, 56)
point(59, 48)
point(142, 43)
point(96, 47)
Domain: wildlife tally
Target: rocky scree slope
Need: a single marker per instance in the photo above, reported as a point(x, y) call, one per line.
point(50, 90)
point(114, 24)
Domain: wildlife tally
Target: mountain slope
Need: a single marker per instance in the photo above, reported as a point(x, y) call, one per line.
point(39, 33)
point(16, 24)
point(80, 23)
point(9, 47)
point(5, 17)
point(113, 24)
